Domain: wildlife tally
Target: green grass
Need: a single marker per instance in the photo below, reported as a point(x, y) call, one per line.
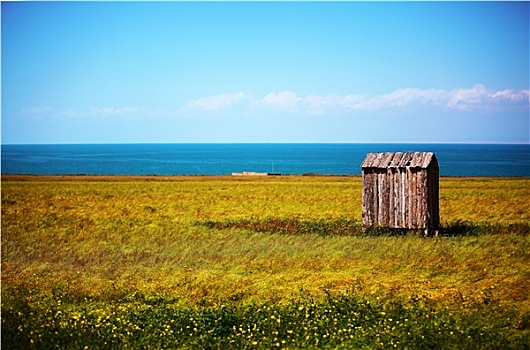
point(343, 321)
point(101, 263)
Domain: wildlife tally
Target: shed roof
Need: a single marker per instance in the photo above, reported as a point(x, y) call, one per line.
point(400, 160)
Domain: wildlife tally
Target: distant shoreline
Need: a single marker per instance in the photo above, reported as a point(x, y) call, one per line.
point(85, 177)
point(305, 177)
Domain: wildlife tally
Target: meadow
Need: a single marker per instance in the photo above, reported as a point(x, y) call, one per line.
point(264, 262)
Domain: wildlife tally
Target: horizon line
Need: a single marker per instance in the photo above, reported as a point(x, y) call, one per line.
point(280, 143)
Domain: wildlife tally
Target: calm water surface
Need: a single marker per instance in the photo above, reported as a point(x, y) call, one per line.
point(220, 159)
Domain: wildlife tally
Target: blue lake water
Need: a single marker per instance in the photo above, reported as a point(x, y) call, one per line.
point(221, 159)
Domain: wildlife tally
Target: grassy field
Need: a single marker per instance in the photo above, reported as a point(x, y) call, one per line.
point(233, 262)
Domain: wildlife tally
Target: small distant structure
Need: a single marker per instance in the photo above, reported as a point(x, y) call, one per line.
point(272, 173)
point(253, 173)
point(249, 173)
point(401, 190)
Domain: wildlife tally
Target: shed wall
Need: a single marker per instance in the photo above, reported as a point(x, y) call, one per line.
point(401, 197)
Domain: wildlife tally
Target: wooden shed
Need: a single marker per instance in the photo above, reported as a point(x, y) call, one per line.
point(400, 190)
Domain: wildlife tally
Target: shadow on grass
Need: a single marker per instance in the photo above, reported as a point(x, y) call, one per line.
point(351, 227)
point(467, 228)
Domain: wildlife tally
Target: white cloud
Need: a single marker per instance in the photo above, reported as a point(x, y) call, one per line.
point(402, 98)
point(318, 105)
point(473, 98)
point(216, 102)
point(284, 99)
point(36, 111)
point(479, 97)
point(510, 95)
point(467, 97)
point(109, 111)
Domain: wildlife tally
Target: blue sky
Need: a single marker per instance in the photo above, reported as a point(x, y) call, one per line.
point(114, 72)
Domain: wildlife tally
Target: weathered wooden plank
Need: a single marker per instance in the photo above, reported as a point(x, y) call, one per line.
point(397, 199)
point(391, 207)
point(386, 200)
point(427, 159)
point(429, 200)
point(374, 198)
point(408, 199)
point(379, 215)
point(370, 157)
point(418, 198)
point(394, 197)
point(375, 160)
point(416, 161)
point(404, 162)
point(394, 162)
point(423, 198)
point(365, 196)
point(369, 200)
point(403, 198)
point(389, 198)
point(379, 162)
point(421, 193)
point(386, 159)
point(414, 206)
point(380, 197)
